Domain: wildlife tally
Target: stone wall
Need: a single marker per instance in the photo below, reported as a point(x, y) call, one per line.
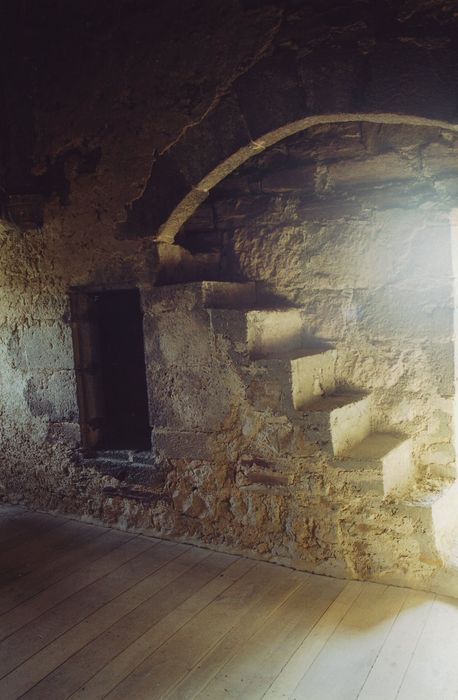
point(117, 120)
point(351, 223)
point(344, 230)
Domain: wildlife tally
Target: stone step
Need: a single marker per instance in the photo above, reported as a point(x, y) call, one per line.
point(413, 541)
point(283, 381)
point(387, 454)
point(432, 508)
point(386, 546)
point(261, 332)
point(341, 420)
point(414, 528)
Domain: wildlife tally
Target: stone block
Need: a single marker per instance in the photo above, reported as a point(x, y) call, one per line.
point(327, 142)
point(326, 312)
point(126, 471)
point(271, 437)
point(138, 494)
point(47, 346)
point(331, 252)
point(252, 211)
point(175, 444)
point(70, 433)
point(264, 479)
point(53, 396)
point(300, 179)
point(429, 260)
point(266, 394)
point(380, 138)
point(362, 483)
point(439, 458)
point(171, 298)
point(440, 159)
point(440, 423)
point(176, 263)
point(386, 168)
point(401, 195)
point(399, 472)
point(199, 296)
point(195, 394)
point(338, 208)
point(274, 253)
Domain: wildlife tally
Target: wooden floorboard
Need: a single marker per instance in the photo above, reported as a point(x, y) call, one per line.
point(14, 523)
point(34, 555)
point(133, 563)
point(88, 612)
point(205, 584)
point(28, 534)
point(256, 664)
point(76, 568)
point(83, 653)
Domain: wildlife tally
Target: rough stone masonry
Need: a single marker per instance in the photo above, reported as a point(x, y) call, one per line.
point(299, 328)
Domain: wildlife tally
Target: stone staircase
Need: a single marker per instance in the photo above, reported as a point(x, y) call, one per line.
point(300, 374)
point(289, 373)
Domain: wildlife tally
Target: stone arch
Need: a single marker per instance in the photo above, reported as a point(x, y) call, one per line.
point(396, 82)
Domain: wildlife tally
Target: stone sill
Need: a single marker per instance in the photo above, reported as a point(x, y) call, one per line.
point(129, 466)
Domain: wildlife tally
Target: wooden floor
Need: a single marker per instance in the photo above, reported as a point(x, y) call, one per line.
point(87, 612)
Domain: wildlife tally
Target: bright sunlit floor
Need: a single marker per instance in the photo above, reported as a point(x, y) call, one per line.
point(87, 612)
